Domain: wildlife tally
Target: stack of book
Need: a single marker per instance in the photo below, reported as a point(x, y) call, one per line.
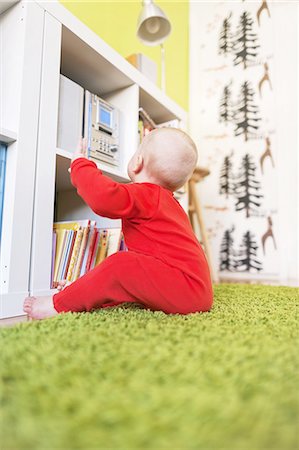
point(79, 246)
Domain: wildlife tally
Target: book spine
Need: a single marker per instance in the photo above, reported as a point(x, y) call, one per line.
point(81, 252)
point(91, 250)
point(94, 253)
point(86, 253)
point(59, 257)
point(65, 253)
point(75, 252)
point(103, 251)
point(114, 240)
point(74, 234)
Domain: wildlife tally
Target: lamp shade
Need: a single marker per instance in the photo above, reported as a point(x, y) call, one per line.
point(153, 26)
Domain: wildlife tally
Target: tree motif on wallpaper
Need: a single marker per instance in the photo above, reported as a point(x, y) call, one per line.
point(243, 260)
point(226, 108)
point(245, 42)
point(247, 188)
point(227, 253)
point(247, 255)
point(246, 113)
point(226, 36)
point(226, 183)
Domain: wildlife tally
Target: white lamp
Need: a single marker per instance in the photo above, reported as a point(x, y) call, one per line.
point(153, 27)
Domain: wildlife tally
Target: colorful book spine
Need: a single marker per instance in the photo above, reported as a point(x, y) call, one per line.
point(64, 255)
point(70, 254)
point(81, 252)
point(94, 253)
point(59, 249)
point(75, 253)
point(79, 246)
point(114, 240)
point(103, 249)
point(91, 250)
point(88, 245)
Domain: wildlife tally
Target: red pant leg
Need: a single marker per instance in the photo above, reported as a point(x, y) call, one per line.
point(133, 277)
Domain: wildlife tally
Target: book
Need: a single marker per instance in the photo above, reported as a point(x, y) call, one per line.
point(64, 255)
point(74, 234)
point(103, 249)
point(91, 249)
point(60, 233)
point(88, 245)
point(81, 251)
point(94, 253)
point(114, 241)
point(75, 253)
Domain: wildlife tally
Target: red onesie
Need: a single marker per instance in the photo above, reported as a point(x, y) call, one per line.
point(165, 268)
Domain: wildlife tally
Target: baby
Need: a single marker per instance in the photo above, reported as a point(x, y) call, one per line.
point(165, 267)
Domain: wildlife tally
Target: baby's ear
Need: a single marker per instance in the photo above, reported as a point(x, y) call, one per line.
point(138, 164)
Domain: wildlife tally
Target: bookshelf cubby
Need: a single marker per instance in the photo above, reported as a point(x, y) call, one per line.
point(65, 46)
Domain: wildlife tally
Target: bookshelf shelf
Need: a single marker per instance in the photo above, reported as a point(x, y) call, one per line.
point(51, 41)
point(7, 136)
point(6, 4)
point(63, 161)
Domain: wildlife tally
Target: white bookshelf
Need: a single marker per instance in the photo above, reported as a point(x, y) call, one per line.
point(65, 46)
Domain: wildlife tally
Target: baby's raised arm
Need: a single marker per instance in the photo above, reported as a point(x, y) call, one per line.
point(111, 199)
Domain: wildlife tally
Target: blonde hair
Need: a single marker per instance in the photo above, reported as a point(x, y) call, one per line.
point(170, 156)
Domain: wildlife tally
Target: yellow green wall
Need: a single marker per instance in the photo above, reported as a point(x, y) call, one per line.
point(115, 22)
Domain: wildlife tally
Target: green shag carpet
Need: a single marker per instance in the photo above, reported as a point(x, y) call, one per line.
point(128, 378)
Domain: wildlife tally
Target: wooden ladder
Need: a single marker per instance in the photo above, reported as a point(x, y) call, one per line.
point(194, 209)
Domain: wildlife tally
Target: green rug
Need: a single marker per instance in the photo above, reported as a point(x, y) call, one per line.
point(128, 378)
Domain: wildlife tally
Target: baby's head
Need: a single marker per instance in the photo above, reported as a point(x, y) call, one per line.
point(166, 156)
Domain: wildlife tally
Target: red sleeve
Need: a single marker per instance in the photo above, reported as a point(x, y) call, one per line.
point(111, 199)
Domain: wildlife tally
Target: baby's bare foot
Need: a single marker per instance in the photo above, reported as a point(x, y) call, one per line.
point(39, 307)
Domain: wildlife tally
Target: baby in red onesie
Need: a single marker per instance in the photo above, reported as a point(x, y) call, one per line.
point(165, 267)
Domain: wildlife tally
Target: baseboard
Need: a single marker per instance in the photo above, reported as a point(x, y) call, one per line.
point(12, 304)
point(11, 321)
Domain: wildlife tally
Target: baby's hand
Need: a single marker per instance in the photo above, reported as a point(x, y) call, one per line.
point(81, 150)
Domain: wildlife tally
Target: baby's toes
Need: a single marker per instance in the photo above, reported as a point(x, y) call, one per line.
point(61, 284)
